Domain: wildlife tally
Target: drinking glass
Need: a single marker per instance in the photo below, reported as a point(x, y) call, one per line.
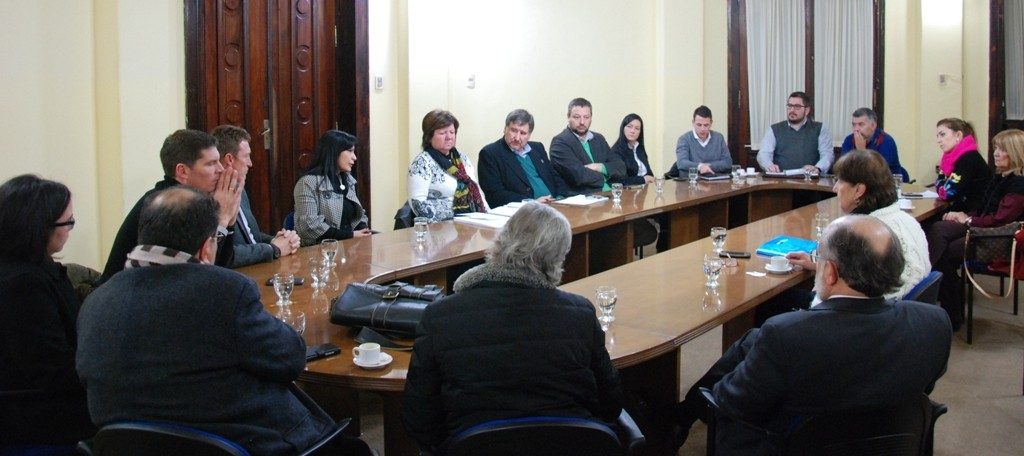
point(319, 269)
point(606, 298)
point(821, 221)
point(898, 180)
point(692, 175)
point(329, 249)
point(294, 318)
point(616, 193)
point(718, 235)
point(712, 269)
point(659, 184)
point(737, 175)
point(284, 283)
point(711, 301)
point(419, 227)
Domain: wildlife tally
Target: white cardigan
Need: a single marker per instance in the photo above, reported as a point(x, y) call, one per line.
point(912, 241)
point(431, 189)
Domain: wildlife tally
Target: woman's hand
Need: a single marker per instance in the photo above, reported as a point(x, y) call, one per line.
point(958, 217)
point(649, 179)
point(361, 233)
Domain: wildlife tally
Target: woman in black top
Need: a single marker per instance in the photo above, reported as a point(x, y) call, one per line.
point(630, 147)
point(43, 402)
point(963, 173)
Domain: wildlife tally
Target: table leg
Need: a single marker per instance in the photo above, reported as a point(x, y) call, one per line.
point(734, 329)
point(396, 441)
point(338, 402)
point(610, 247)
point(654, 386)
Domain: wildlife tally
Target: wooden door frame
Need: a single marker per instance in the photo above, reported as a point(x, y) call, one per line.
point(997, 120)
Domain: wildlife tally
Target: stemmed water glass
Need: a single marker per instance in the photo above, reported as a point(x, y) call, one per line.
point(284, 283)
point(659, 184)
point(718, 235)
point(319, 270)
point(606, 298)
point(712, 269)
point(329, 249)
point(419, 227)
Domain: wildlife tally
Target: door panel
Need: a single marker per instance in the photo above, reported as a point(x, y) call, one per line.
point(271, 64)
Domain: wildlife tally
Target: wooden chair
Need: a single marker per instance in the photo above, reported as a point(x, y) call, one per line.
point(1003, 272)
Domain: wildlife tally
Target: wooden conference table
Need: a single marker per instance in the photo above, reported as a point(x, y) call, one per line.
point(662, 304)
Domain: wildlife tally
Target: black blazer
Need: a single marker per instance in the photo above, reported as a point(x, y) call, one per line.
point(843, 353)
point(569, 158)
point(622, 150)
point(502, 177)
point(246, 253)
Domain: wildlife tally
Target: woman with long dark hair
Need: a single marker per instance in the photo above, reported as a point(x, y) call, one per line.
point(630, 147)
point(43, 402)
point(326, 204)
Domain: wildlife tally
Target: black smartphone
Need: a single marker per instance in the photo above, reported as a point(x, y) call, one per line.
point(731, 254)
point(297, 281)
point(321, 351)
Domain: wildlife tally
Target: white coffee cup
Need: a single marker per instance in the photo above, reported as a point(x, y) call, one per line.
point(779, 262)
point(906, 204)
point(368, 353)
point(750, 171)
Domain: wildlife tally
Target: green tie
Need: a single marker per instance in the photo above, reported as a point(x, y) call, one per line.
point(586, 148)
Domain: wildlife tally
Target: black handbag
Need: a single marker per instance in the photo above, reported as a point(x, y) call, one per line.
point(393, 310)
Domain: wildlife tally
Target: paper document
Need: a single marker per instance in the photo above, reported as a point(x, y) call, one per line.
point(799, 172)
point(581, 200)
point(507, 210)
point(482, 219)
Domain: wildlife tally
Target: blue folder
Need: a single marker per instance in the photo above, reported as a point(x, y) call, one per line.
point(781, 245)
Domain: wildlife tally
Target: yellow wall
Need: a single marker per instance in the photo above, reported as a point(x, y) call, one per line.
point(48, 120)
point(90, 89)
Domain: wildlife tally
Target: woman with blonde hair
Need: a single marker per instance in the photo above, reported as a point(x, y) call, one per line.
point(1001, 202)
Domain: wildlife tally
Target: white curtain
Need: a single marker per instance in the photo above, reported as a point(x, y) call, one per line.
point(1013, 27)
point(843, 62)
point(775, 60)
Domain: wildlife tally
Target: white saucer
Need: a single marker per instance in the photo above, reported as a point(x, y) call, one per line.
point(384, 360)
point(768, 267)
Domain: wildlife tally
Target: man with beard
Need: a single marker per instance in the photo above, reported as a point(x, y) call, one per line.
point(797, 142)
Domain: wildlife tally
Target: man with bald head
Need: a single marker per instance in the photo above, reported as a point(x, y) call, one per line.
point(854, 349)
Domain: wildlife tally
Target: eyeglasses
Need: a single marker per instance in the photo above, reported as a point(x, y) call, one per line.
point(793, 106)
point(70, 224)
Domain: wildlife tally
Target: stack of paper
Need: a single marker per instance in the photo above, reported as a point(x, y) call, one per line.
point(799, 172)
point(507, 210)
point(481, 219)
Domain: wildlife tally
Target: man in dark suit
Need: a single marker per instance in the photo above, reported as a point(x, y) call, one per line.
point(854, 349)
point(156, 343)
point(189, 158)
point(250, 244)
point(583, 157)
point(514, 168)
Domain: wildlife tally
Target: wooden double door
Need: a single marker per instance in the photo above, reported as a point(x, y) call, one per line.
point(286, 71)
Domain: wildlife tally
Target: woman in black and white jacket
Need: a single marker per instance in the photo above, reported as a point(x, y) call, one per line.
point(326, 204)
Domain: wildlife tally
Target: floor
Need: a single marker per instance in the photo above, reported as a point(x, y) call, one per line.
point(982, 386)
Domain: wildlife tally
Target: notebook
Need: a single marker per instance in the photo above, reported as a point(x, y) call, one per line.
point(781, 245)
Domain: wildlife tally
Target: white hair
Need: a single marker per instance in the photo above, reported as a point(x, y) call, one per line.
point(534, 240)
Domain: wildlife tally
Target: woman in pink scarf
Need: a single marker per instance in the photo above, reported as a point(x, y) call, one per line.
point(963, 173)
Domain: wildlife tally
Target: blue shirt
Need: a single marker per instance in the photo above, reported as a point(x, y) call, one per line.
point(883, 144)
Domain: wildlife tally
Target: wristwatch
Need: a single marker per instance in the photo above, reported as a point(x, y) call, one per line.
point(277, 251)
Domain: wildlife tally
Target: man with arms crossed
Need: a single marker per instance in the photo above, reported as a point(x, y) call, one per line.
point(250, 244)
point(854, 349)
point(797, 142)
point(514, 168)
point(582, 157)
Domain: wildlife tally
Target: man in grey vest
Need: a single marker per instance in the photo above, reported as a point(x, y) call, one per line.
point(798, 142)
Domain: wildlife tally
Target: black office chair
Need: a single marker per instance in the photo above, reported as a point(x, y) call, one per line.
point(927, 290)
point(904, 429)
point(404, 216)
point(171, 439)
point(289, 221)
point(545, 435)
